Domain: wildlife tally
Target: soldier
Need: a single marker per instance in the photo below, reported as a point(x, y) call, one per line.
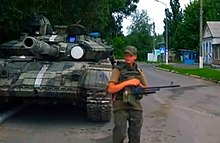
point(38, 25)
point(126, 108)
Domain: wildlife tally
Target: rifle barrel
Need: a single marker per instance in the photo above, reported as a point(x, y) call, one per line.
point(158, 87)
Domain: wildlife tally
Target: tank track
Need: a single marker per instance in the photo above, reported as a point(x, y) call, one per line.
point(99, 109)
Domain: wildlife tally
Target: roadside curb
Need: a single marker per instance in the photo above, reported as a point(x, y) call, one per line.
point(191, 75)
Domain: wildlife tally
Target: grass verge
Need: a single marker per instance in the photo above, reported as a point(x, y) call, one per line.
point(207, 73)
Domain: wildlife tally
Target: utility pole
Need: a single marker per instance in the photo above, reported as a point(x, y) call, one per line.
point(201, 35)
point(154, 36)
point(166, 31)
point(167, 52)
point(154, 43)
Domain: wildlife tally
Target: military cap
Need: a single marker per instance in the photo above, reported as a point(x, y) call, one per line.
point(131, 50)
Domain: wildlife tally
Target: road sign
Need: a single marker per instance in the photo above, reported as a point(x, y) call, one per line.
point(162, 50)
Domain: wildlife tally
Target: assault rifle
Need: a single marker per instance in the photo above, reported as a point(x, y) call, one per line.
point(138, 92)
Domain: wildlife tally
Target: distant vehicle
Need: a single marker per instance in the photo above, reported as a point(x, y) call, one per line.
point(45, 67)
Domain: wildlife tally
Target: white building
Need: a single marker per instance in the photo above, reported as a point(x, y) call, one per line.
point(211, 43)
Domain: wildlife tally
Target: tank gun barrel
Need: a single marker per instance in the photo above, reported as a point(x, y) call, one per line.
point(40, 48)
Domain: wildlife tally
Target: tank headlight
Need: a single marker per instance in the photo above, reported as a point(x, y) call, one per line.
point(77, 52)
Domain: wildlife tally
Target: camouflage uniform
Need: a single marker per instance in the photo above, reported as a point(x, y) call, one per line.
point(124, 112)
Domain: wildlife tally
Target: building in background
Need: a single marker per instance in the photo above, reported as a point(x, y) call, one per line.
point(211, 43)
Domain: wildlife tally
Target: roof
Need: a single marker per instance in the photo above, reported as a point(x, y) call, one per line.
point(186, 50)
point(212, 29)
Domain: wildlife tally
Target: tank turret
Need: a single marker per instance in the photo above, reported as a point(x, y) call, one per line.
point(54, 47)
point(92, 47)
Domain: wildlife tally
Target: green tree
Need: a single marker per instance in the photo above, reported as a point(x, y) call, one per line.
point(188, 30)
point(174, 19)
point(211, 10)
point(118, 45)
point(140, 33)
point(11, 15)
point(97, 15)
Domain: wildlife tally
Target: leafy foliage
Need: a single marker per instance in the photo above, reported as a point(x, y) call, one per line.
point(190, 30)
point(186, 35)
point(119, 44)
point(140, 23)
point(140, 33)
point(174, 19)
point(96, 15)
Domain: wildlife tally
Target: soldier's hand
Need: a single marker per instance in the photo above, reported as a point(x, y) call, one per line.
point(133, 82)
point(141, 85)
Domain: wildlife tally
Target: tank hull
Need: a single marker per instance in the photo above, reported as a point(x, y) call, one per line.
point(64, 82)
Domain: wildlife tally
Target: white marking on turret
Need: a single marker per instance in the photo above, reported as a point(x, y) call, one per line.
point(52, 38)
point(40, 76)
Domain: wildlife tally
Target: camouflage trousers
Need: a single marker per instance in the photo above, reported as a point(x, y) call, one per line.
point(134, 118)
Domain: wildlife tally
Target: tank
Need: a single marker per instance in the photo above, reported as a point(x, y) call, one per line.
point(72, 68)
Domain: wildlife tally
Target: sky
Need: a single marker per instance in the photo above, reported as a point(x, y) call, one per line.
point(155, 12)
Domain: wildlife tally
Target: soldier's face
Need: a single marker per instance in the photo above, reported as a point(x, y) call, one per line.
point(129, 58)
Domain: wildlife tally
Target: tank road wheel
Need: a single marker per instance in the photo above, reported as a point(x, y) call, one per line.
point(99, 110)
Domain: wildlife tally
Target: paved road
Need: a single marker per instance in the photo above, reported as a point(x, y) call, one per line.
point(189, 114)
